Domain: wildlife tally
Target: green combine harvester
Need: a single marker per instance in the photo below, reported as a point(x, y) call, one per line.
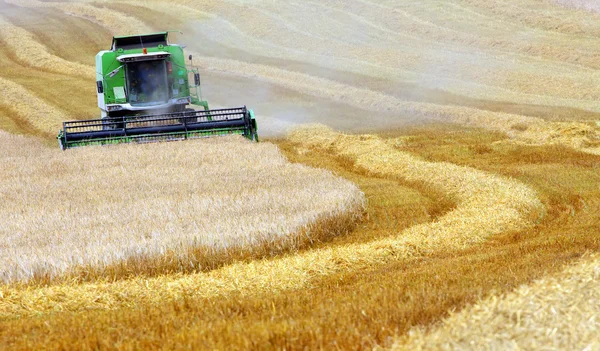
point(146, 93)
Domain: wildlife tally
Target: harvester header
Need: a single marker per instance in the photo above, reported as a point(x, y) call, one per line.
point(146, 92)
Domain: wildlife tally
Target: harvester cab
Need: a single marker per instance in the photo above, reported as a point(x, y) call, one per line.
point(147, 93)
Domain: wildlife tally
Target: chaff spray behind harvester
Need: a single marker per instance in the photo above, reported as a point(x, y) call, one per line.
point(145, 93)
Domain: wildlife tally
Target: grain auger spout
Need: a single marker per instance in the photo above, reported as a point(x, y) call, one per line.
point(147, 93)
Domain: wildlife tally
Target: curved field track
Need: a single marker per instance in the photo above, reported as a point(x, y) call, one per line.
point(486, 205)
point(472, 128)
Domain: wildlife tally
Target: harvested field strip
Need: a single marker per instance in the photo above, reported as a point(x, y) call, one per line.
point(582, 136)
point(9, 123)
point(408, 27)
point(118, 23)
point(84, 211)
point(161, 15)
point(541, 15)
point(358, 310)
point(58, 31)
point(367, 307)
point(14, 123)
point(557, 312)
point(487, 205)
point(492, 80)
point(40, 116)
point(34, 54)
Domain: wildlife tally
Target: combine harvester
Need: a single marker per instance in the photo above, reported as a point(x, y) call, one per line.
point(144, 93)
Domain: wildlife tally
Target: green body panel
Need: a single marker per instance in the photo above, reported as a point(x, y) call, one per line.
point(107, 62)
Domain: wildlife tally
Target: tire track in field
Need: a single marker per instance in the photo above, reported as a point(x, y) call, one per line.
point(115, 22)
point(35, 115)
point(31, 53)
point(555, 313)
point(486, 205)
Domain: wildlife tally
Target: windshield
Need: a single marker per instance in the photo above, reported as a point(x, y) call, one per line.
point(147, 82)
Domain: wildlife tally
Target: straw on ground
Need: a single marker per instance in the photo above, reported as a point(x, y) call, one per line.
point(486, 205)
point(555, 313)
point(31, 52)
point(30, 110)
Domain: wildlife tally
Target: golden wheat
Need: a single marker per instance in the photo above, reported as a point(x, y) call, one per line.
point(115, 22)
point(99, 206)
point(487, 205)
point(27, 106)
point(365, 54)
point(29, 51)
point(558, 313)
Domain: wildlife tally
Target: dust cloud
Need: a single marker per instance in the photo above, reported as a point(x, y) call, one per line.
point(279, 109)
point(372, 57)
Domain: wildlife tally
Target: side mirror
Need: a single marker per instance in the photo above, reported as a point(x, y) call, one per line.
point(197, 79)
point(190, 57)
point(100, 87)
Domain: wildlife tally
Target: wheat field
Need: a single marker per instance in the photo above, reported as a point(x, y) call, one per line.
point(429, 180)
point(98, 207)
point(486, 205)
